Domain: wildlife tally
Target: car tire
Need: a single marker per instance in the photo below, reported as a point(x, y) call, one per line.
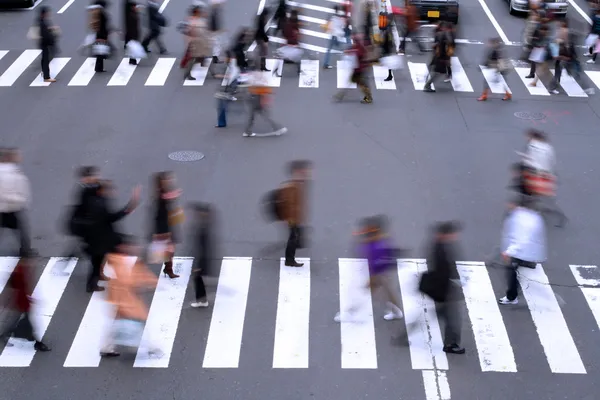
point(30, 3)
point(511, 10)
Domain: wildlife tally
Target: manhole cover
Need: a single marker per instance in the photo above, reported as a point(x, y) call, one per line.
point(530, 115)
point(186, 156)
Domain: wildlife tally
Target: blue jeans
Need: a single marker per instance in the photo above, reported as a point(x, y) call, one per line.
point(333, 42)
point(222, 113)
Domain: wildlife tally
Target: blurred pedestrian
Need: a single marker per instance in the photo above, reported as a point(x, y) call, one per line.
point(156, 21)
point(132, 25)
point(48, 38)
point(293, 202)
point(204, 250)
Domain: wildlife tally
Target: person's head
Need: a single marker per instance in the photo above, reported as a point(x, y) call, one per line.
point(534, 134)
point(44, 12)
point(294, 15)
point(448, 231)
point(88, 174)
point(195, 11)
point(106, 188)
point(164, 181)
point(11, 155)
point(300, 169)
point(203, 212)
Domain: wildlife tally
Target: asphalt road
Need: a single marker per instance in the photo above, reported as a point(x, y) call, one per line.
point(417, 157)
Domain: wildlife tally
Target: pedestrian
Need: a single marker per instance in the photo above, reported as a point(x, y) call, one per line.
point(335, 28)
point(367, 24)
point(411, 27)
point(358, 57)
point(293, 202)
point(215, 27)
point(381, 255)
point(523, 244)
point(100, 25)
point(442, 283)
point(280, 16)
point(132, 25)
point(262, 39)
point(388, 46)
point(291, 34)
point(20, 325)
point(198, 40)
point(260, 103)
point(48, 34)
point(15, 196)
point(499, 65)
point(204, 250)
point(167, 215)
point(594, 30)
point(102, 236)
point(237, 55)
point(156, 21)
point(442, 51)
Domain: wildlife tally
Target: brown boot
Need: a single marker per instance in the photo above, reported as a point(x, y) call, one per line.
point(168, 270)
point(507, 96)
point(483, 96)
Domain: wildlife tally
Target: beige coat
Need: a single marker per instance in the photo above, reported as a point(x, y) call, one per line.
point(199, 39)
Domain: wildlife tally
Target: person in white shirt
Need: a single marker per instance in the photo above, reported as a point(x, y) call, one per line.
point(15, 195)
point(335, 27)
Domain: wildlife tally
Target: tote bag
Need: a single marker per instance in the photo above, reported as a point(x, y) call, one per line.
point(127, 332)
point(538, 55)
point(393, 62)
point(100, 49)
point(135, 49)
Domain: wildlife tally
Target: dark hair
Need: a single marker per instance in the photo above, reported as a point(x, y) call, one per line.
point(298, 165)
point(87, 171)
point(538, 135)
point(159, 177)
point(448, 227)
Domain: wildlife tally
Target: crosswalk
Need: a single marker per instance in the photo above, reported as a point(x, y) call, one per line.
point(79, 72)
point(293, 321)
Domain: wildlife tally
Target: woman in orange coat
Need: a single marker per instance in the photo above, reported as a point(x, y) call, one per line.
point(130, 310)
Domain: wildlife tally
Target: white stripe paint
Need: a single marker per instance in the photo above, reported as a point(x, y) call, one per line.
point(594, 77)
point(311, 7)
point(424, 335)
point(64, 8)
point(293, 314)
point(379, 74)
point(199, 72)
point(580, 11)
point(460, 81)
point(494, 22)
point(550, 323)
point(313, 20)
point(321, 35)
point(261, 6)
point(56, 65)
point(85, 73)
point(344, 72)
point(227, 322)
point(358, 332)
point(317, 49)
point(19, 66)
point(343, 2)
point(436, 385)
point(494, 80)
point(578, 272)
point(123, 73)
point(159, 74)
point(163, 317)
point(569, 85)
point(309, 77)
point(491, 337)
point(3, 53)
point(46, 297)
point(7, 266)
point(272, 65)
point(163, 6)
point(418, 75)
point(95, 325)
point(538, 90)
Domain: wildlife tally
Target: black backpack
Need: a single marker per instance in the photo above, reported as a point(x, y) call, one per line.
point(272, 204)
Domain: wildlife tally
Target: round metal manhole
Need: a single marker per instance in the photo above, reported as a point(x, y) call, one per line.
point(186, 156)
point(532, 116)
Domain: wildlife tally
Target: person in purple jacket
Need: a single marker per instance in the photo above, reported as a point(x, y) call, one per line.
point(381, 256)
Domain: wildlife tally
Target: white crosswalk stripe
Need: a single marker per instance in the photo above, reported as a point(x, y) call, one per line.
point(293, 321)
point(159, 72)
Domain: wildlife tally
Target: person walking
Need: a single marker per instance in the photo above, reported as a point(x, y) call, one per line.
point(132, 25)
point(198, 40)
point(156, 21)
point(262, 39)
point(100, 25)
point(48, 38)
point(204, 250)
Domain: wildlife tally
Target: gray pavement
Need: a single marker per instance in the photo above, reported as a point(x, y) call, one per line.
point(416, 156)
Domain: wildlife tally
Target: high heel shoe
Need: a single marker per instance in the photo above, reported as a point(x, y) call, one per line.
point(168, 270)
point(276, 74)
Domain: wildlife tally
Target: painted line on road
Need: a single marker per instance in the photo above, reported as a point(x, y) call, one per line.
point(311, 7)
point(46, 296)
point(64, 8)
point(163, 317)
point(591, 294)
point(460, 80)
point(3, 53)
point(7, 266)
point(380, 73)
point(569, 84)
point(491, 338)
point(344, 72)
point(436, 385)
point(309, 75)
point(552, 329)
point(17, 68)
point(495, 80)
point(422, 325)
point(85, 73)
point(494, 22)
point(56, 65)
point(293, 315)
point(580, 11)
point(357, 328)
point(581, 280)
point(418, 74)
point(229, 311)
point(316, 49)
point(123, 73)
point(159, 74)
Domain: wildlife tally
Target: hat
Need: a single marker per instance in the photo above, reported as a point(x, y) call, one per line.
point(448, 227)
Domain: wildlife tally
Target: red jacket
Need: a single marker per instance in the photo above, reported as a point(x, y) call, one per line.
point(19, 282)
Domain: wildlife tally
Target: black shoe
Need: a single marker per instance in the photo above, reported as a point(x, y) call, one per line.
point(454, 349)
point(389, 78)
point(264, 69)
point(133, 62)
point(39, 346)
point(109, 354)
point(530, 76)
point(163, 52)
point(190, 78)
point(95, 289)
point(293, 264)
point(429, 90)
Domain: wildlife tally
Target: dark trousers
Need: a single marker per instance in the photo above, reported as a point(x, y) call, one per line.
point(94, 276)
point(46, 62)
point(17, 221)
point(558, 67)
point(199, 286)
point(533, 68)
point(257, 108)
point(222, 113)
point(99, 67)
point(153, 36)
point(18, 325)
point(450, 312)
point(512, 276)
point(406, 35)
point(293, 243)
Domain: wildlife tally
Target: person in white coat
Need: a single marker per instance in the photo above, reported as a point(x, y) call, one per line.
point(15, 194)
point(523, 244)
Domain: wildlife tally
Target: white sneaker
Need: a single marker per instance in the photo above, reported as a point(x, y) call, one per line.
point(591, 62)
point(390, 315)
point(281, 131)
point(554, 91)
point(248, 134)
point(447, 80)
point(198, 304)
point(338, 317)
point(506, 301)
point(590, 91)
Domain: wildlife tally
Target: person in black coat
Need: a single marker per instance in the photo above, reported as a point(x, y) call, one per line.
point(280, 16)
point(132, 25)
point(388, 47)
point(47, 42)
point(100, 26)
point(156, 21)
point(262, 39)
point(204, 249)
point(102, 237)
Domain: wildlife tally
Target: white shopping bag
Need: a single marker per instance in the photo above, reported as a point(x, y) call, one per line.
point(100, 49)
point(127, 332)
point(350, 60)
point(135, 49)
point(157, 252)
point(33, 33)
point(393, 62)
point(591, 40)
point(291, 53)
point(538, 55)
point(89, 40)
